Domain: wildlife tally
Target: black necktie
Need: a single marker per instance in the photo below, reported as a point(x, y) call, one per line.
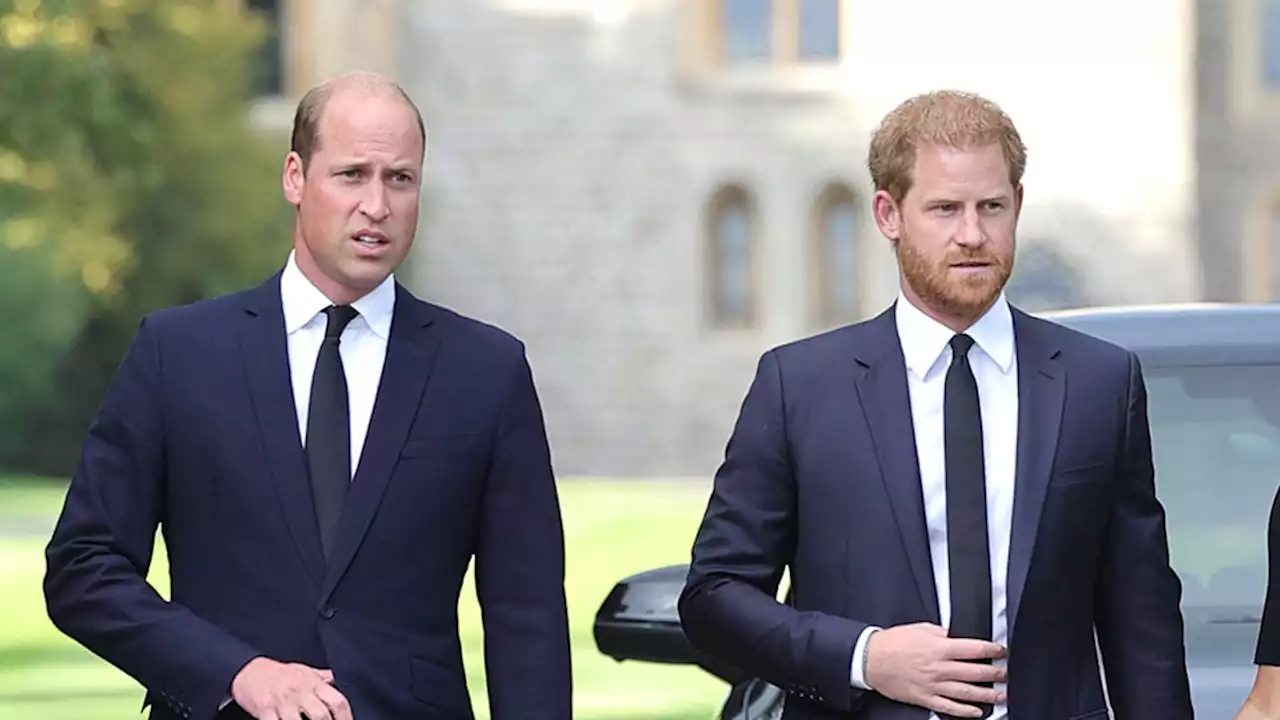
point(329, 428)
point(967, 549)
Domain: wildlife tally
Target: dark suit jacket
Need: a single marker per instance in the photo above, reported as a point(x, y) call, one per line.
point(199, 434)
point(821, 475)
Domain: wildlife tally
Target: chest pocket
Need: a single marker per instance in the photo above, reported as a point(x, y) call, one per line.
point(1080, 474)
point(442, 444)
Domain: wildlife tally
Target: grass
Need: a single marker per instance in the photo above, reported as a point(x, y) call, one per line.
point(613, 529)
point(29, 498)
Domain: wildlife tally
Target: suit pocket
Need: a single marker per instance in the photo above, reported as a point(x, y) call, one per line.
point(1098, 714)
point(440, 688)
point(1081, 474)
point(440, 444)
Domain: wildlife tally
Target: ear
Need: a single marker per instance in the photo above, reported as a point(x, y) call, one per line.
point(888, 215)
point(1017, 210)
point(294, 179)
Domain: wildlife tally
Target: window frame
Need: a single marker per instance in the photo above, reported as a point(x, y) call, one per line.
point(784, 40)
point(1250, 93)
point(702, 65)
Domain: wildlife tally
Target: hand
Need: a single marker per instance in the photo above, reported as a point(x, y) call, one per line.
point(270, 690)
point(920, 665)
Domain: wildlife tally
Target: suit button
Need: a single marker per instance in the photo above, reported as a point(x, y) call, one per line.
point(327, 613)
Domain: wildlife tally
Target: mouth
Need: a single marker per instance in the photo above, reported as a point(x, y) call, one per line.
point(371, 238)
point(971, 264)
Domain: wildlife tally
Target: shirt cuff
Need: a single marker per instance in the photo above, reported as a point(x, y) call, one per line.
point(857, 671)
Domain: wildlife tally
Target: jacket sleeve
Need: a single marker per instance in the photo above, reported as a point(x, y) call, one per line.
point(95, 584)
point(519, 566)
point(748, 535)
point(1139, 617)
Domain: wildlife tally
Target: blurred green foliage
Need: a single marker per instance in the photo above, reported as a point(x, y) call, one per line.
point(131, 179)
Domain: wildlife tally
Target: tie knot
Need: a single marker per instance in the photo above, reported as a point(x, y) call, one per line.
point(339, 316)
point(960, 345)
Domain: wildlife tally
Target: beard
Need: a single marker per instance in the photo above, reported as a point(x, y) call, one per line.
point(953, 294)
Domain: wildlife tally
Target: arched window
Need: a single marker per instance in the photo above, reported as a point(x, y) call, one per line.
point(731, 244)
point(835, 252)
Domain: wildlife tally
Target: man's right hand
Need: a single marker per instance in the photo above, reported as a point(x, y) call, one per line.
point(920, 665)
point(270, 690)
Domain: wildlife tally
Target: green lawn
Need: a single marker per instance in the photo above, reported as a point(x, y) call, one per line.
point(613, 529)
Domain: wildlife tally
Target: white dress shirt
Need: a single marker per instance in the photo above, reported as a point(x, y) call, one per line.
point(926, 349)
point(363, 347)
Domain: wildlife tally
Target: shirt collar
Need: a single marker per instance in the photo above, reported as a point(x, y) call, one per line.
point(302, 301)
point(924, 339)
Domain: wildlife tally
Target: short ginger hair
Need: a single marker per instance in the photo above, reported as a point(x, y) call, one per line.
point(945, 118)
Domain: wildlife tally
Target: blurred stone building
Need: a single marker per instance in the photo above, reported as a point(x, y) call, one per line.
point(1237, 143)
point(651, 193)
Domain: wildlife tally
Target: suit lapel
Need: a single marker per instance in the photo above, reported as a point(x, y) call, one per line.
point(264, 352)
point(1041, 389)
point(886, 401)
point(411, 351)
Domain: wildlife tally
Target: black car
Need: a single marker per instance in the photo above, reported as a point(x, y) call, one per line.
point(1213, 381)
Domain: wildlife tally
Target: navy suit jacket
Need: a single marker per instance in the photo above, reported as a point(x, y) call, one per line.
point(821, 476)
point(199, 435)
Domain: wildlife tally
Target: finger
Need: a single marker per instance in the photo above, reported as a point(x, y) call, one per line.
point(950, 708)
point(931, 629)
point(966, 649)
point(269, 714)
point(313, 708)
point(964, 692)
point(288, 711)
point(326, 675)
point(972, 672)
point(336, 702)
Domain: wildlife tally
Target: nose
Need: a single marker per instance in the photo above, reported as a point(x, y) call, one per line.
point(374, 205)
point(971, 233)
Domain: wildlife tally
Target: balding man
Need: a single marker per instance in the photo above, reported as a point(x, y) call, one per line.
point(325, 454)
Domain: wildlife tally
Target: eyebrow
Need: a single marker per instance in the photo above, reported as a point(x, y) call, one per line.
point(407, 167)
point(949, 200)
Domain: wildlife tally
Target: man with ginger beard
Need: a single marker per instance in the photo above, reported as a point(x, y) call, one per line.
point(963, 494)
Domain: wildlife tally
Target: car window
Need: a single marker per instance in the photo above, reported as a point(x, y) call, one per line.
point(1216, 442)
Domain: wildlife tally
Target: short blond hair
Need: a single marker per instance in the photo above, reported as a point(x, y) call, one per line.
point(945, 118)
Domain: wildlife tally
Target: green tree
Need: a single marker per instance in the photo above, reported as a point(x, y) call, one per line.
point(130, 179)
